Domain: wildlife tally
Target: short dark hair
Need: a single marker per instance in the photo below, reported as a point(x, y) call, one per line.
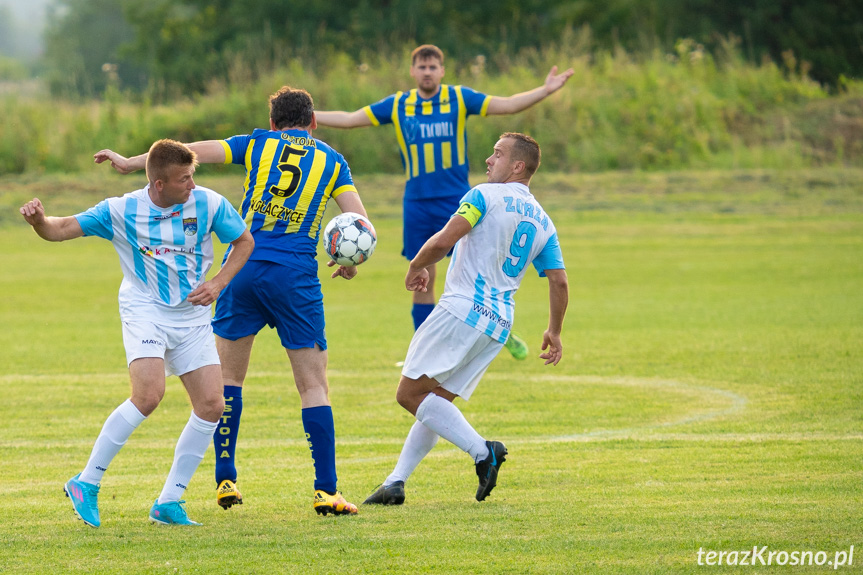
point(291, 108)
point(525, 149)
point(425, 52)
point(166, 153)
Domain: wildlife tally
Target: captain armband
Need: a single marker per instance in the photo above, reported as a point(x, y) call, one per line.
point(469, 212)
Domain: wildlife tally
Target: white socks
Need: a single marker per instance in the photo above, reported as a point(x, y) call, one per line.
point(190, 450)
point(419, 442)
point(116, 430)
point(446, 420)
point(193, 442)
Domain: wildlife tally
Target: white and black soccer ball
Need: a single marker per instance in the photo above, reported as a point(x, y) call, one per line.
point(350, 239)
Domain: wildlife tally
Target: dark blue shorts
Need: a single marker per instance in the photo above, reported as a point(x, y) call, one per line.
point(265, 293)
point(423, 219)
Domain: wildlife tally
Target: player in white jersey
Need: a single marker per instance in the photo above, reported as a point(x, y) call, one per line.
point(497, 231)
point(163, 236)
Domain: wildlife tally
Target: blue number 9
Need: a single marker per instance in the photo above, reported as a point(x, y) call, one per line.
point(519, 249)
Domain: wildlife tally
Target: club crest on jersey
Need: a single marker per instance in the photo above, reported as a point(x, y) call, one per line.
point(411, 127)
point(190, 226)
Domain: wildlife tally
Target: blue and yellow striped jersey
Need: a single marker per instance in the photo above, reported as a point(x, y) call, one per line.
point(290, 177)
point(432, 137)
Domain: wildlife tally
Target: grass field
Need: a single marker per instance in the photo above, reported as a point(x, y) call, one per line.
point(710, 397)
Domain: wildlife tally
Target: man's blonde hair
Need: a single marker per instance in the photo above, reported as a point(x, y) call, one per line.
point(166, 153)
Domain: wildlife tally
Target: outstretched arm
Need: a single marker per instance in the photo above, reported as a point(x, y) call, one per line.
point(524, 100)
point(50, 228)
point(208, 152)
point(356, 119)
point(120, 163)
point(558, 298)
point(433, 251)
point(207, 292)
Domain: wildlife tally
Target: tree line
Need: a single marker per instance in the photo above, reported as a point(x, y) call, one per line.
point(164, 48)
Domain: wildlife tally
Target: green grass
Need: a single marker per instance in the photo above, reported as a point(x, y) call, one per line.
point(709, 397)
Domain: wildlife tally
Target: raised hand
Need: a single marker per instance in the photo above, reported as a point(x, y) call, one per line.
point(555, 81)
point(33, 211)
point(118, 162)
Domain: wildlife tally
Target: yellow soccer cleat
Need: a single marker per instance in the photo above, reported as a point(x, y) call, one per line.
point(227, 494)
point(335, 504)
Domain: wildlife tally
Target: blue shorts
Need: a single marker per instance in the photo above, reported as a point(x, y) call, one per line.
point(423, 219)
point(266, 293)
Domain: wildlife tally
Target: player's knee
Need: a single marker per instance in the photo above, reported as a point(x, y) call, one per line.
point(148, 401)
point(407, 399)
point(212, 408)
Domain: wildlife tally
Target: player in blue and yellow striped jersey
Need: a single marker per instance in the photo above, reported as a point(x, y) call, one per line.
point(429, 123)
point(290, 177)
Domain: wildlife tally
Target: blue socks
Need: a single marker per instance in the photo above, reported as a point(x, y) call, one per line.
point(420, 312)
point(225, 437)
point(321, 435)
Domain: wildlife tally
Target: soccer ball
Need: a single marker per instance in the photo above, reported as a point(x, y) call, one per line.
point(350, 239)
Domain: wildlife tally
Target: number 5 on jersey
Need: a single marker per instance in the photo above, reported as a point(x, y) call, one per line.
point(291, 172)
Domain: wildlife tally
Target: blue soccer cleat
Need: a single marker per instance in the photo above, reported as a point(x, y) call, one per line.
point(170, 513)
point(84, 498)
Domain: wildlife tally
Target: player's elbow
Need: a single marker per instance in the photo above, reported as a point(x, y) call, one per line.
point(244, 245)
point(557, 280)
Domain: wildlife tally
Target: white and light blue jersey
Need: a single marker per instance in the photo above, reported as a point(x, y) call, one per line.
point(165, 253)
point(510, 231)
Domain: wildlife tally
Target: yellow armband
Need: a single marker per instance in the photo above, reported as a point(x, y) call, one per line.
point(229, 155)
point(469, 212)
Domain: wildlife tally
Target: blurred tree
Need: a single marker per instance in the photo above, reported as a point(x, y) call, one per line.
point(827, 35)
point(179, 46)
point(81, 37)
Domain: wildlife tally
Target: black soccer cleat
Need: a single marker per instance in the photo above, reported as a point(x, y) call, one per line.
point(486, 470)
point(387, 495)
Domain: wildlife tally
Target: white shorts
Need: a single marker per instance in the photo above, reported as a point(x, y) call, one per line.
point(183, 349)
point(451, 352)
